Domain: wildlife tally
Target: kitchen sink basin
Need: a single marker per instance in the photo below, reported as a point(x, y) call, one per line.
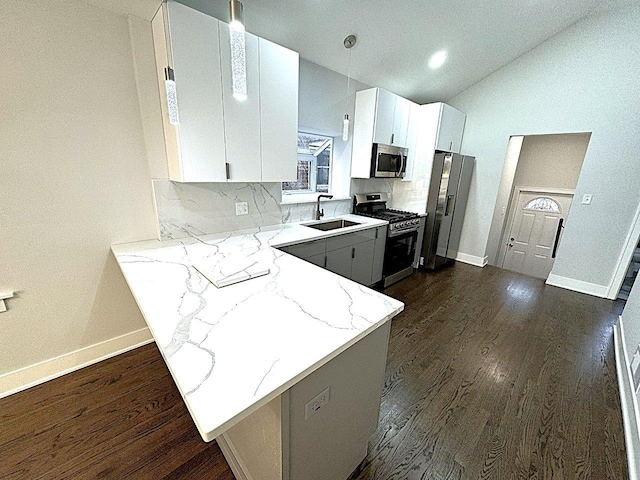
point(332, 225)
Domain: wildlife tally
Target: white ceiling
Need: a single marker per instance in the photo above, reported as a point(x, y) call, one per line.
point(396, 38)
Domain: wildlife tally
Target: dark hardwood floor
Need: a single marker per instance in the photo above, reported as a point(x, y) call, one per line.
point(490, 374)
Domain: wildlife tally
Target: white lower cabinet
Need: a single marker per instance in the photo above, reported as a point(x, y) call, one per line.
point(358, 256)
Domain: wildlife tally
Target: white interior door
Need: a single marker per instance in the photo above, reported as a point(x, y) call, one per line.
point(534, 228)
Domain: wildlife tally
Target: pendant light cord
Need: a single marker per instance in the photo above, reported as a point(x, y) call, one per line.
point(348, 82)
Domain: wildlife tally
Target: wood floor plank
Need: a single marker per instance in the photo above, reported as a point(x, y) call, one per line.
point(490, 374)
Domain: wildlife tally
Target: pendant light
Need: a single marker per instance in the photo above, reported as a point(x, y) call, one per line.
point(238, 56)
point(349, 42)
point(172, 95)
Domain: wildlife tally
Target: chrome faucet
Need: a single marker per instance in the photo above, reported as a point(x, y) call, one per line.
point(320, 213)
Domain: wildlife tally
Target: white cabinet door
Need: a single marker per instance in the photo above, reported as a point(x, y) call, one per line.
point(339, 261)
point(195, 49)
point(384, 117)
point(450, 129)
point(401, 122)
point(412, 139)
point(279, 112)
point(241, 117)
point(362, 262)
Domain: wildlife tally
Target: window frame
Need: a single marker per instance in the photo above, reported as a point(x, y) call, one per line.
point(313, 170)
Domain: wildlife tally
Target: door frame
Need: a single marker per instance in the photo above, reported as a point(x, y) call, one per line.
point(517, 190)
point(630, 244)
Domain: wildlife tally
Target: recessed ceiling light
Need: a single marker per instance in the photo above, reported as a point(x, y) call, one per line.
point(437, 59)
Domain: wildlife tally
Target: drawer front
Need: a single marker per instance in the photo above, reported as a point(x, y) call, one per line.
point(341, 241)
point(308, 249)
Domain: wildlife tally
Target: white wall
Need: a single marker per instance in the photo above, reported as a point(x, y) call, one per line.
point(74, 181)
point(551, 161)
point(583, 80)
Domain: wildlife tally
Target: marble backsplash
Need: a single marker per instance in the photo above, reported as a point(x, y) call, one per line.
point(186, 209)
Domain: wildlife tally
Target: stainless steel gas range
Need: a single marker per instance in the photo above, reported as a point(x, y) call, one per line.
point(404, 235)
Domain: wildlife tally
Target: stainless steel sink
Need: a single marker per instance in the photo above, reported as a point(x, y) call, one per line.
point(332, 225)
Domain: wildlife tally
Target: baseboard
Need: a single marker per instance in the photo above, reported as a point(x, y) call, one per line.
point(578, 286)
point(232, 458)
point(472, 259)
point(27, 377)
point(628, 402)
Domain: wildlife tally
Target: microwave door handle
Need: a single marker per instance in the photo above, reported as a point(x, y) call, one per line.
point(399, 170)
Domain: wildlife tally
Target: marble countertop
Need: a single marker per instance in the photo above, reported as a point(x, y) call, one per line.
point(234, 349)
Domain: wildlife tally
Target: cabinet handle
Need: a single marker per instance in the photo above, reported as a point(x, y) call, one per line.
point(227, 170)
point(353, 252)
point(392, 136)
point(376, 233)
point(450, 145)
point(325, 261)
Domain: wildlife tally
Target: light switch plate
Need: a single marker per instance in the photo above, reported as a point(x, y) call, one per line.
point(586, 199)
point(315, 404)
point(242, 208)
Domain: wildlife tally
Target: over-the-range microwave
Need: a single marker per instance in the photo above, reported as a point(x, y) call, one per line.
point(388, 161)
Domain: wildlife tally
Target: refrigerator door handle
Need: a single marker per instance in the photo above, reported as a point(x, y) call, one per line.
point(449, 205)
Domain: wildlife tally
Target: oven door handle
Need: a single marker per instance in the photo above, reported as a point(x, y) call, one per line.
point(402, 232)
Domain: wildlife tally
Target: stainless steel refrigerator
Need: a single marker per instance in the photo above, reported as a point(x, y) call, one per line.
point(446, 205)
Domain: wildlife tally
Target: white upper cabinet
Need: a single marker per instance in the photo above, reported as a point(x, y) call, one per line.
point(391, 118)
point(220, 138)
point(434, 126)
point(401, 122)
point(384, 115)
point(380, 117)
point(279, 73)
point(200, 135)
point(241, 117)
point(450, 129)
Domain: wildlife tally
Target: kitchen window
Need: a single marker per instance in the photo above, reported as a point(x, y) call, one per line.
point(314, 165)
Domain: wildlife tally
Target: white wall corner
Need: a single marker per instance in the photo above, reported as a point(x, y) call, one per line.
point(628, 402)
point(27, 377)
point(472, 259)
point(578, 285)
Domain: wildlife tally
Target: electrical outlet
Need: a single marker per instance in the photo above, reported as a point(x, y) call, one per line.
point(312, 406)
point(242, 208)
point(635, 369)
point(586, 199)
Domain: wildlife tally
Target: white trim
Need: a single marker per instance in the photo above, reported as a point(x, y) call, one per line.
point(298, 198)
point(630, 244)
point(233, 459)
point(472, 259)
point(27, 377)
point(628, 402)
point(578, 285)
point(511, 214)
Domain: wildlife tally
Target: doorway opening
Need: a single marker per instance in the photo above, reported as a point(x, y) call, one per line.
point(534, 200)
point(631, 275)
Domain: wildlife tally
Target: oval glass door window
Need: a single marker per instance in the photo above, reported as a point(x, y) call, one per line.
point(543, 204)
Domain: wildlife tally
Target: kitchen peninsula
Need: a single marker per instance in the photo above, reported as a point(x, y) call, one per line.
point(285, 370)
